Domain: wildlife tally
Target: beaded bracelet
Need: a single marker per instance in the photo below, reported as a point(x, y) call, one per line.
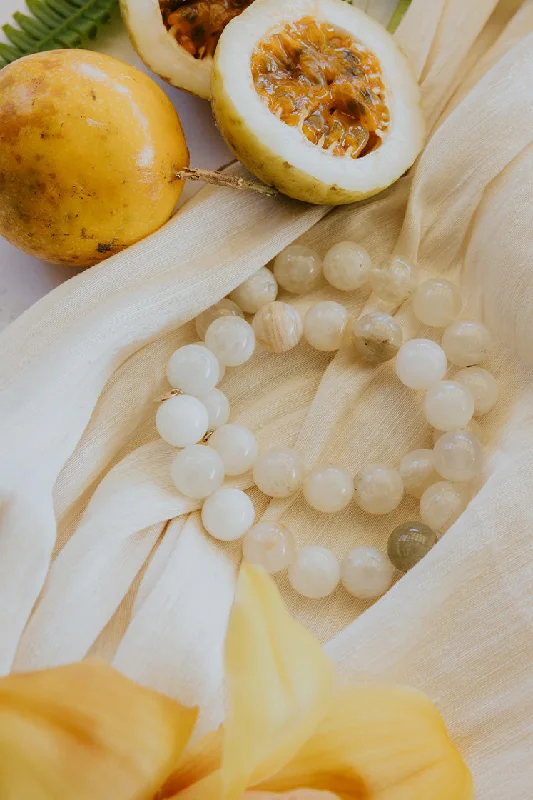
point(194, 415)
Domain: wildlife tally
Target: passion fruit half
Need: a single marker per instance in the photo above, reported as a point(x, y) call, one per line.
point(316, 99)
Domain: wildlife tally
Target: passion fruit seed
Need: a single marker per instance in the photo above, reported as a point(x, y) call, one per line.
point(197, 24)
point(325, 83)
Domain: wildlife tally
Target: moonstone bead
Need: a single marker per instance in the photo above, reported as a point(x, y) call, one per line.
point(227, 514)
point(298, 269)
point(218, 409)
point(182, 420)
point(441, 504)
point(483, 386)
point(278, 327)
point(258, 290)
point(473, 427)
point(197, 471)
point(237, 447)
point(420, 363)
point(366, 573)
point(379, 489)
point(315, 572)
point(394, 283)
point(436, 302)
point(269, 544)
point(347, 266)
point(278, 472)
point(458, 456)
point(376, 337)
point(409, 543)
point(417, 470)
point(466, 343)
point(231, 339)
point(325, 324)
point(225, 308)
point(193, 369)
point(448, 405)
point(328, 488)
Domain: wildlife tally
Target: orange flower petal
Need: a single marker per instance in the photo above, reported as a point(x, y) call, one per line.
point(84, 731)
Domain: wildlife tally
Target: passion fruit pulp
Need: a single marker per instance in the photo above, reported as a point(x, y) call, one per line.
point(197, 24)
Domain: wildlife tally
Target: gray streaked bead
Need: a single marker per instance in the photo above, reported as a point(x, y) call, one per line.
point(409, 543)
point(377, 337)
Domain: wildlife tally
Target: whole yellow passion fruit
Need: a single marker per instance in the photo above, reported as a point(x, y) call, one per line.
point(89, 150)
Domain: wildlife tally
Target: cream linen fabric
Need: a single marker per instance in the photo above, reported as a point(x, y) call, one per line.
point(85, 537)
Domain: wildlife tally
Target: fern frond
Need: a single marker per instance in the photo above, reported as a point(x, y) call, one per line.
point(52, 25)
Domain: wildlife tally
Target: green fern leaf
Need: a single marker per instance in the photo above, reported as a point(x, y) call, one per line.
point(52, 25)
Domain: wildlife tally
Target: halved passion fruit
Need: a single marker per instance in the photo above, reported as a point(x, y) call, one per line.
point(316, 98)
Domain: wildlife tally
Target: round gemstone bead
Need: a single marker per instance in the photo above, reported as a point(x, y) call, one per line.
point(237, 447)
point(218, 409)
point(420, 363)
point(473, 427)
point(458, 456)
point(441, 504)
point(448, 405)
point(225, 308)
point(394, 283)
point(315, 572)
point(182, 420)
point(347, 266)
point(298, 269)
point(409, 543)
point(417, 470)
point(231, 339)
point(193, 369)
point(436, 302)
point(197, 471)
point(328, 488)
point(376, 337)
point(466, 343)
point(325, 324)
point(278, 472)
point(366, 573)
point(379, 489)
point(278, 327)
point(227, 514)
point(483, 386)
point(258, 290)
point(270, 545)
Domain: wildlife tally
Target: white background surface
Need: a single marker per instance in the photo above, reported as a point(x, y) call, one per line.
point(24, 279)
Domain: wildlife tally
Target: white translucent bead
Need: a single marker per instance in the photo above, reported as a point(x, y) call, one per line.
point(197, 471)
point(347, 266)
point(458, 456)
point(227, 514)
point(269, 544)
point(473, 427)
point(315, 572)
point(394, 283)
point(466, 343)
point(436, 302)
point(225, 308)
point(379, 489)
point(258, 290)
point(193, 369)
point(218, 409)
point(231, 339)
point(298, 269)
point(237, 447)
point(483, 386)
point(441, 504)
point(182, 420)
point(278, 327)
point(448, 405)
point(420, 363)
point(325, 324)
point(417, 470)
point(366, 573)
point(278, 472)
point(328, 488)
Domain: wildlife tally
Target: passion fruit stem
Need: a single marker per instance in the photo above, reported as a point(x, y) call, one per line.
point(398, 15)
point(221, 179)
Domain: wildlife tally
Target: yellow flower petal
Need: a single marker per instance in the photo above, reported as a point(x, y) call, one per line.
point(84, 732)
point(379, 743)
point(279, 685)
